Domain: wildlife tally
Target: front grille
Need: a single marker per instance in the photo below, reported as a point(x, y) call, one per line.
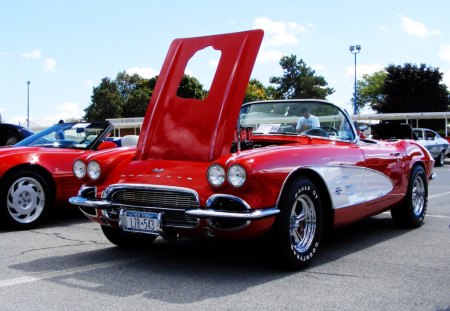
point(155, 198)
point(170, 203)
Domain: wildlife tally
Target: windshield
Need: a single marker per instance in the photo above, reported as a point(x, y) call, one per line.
point(294, 117)
point(67, 135)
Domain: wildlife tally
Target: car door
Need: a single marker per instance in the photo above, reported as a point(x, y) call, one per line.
point(384, 158)
point(431, 143)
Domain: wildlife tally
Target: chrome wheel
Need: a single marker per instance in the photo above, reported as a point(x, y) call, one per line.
point(411, 211)
point(302, 223)
point(298, 227)
point(25, 200)
point(418, 196)
point(441, 159)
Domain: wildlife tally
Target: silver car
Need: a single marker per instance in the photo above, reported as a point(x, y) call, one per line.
point(436, 145)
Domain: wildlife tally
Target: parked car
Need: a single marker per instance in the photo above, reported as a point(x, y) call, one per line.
point(193, 174)
point(436, 145)
point(36, 173)
point(11, 133)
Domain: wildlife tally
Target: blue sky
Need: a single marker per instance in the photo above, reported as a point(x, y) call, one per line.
point(65, 48)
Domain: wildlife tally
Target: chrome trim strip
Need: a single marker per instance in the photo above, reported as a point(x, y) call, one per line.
point(353, 189)
point(216, 197)
point(349, 185)
point(84, 189)
point(89, 202)
point(253, 215)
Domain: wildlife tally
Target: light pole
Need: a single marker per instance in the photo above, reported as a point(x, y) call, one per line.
point(355, 49)
point(28, 104)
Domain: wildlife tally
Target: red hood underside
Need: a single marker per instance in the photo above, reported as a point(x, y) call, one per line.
point(177, 128)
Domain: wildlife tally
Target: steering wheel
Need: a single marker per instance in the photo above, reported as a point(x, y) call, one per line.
point(330, 130)
point(317, 132)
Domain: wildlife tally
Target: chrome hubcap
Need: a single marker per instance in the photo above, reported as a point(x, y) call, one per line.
point(302, 223)
point(418, 196)
point(25, 200)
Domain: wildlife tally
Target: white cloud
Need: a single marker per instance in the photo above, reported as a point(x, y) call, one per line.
point(444, 52)
point(362, 70)
point(384, 29)
point(144, 72)
point(4, 53)
point(279, 33)
point(269, 56)
point(65, 111)
point(35, 54)
point(415, 28)
point(49, 64)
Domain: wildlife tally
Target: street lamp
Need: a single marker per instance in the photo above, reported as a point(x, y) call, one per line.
point(28, 104)
point(355, 49)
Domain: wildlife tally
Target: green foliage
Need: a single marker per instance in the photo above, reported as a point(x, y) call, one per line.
point(128, 96)
point(136, 92)
point(107, 102)
point(256, 91)
point(413, 89)
point(370, 88)
point(299, 81)
point(190, 87)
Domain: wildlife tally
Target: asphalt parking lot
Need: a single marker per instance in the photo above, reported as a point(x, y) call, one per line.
point(67, 264)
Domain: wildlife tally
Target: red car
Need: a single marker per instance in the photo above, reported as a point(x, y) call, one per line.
point(294, 169)
point(36, 173)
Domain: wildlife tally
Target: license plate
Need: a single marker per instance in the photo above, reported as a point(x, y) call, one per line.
point(142, 222)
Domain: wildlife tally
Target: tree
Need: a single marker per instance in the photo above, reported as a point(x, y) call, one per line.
point(190, 87)
point(136, 92)
point(255, 91)
point(370, 90)
point(413, 89)
point(106, 102)
point(299, 81)
point(128, 96)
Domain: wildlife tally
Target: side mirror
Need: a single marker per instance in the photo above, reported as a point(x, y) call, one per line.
point(106, 145)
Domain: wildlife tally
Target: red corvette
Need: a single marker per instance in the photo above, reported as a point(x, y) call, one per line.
point(294, 168)
point(36, 174)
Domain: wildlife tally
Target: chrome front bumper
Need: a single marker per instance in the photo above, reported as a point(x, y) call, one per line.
point(209, 212)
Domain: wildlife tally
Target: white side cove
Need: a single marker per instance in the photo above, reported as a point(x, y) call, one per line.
point(350, 185)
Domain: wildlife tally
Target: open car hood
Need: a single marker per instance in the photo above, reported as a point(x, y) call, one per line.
point(177, 128)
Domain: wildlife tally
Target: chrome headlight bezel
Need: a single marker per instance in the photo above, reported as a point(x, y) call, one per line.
point(236, 175)
point(93, 170)
point(79, 169)
point(216, 175)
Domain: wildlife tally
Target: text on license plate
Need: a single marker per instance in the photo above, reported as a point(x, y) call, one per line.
point(144, 222)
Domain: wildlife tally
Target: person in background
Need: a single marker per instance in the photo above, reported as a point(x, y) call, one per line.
point(307, 121)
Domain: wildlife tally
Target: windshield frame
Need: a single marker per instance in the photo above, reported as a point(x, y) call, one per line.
point(352, 133)
point(103, 128)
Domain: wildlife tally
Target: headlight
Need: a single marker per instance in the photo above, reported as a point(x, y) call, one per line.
point(79, 169)
point(93, 170)
point(236, 175)
point(216, 175)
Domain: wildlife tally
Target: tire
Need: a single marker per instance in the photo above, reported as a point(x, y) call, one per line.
point(297, 231)
point(125, 239)
point(25, 197)
point(440, 160)
point(413, 208)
